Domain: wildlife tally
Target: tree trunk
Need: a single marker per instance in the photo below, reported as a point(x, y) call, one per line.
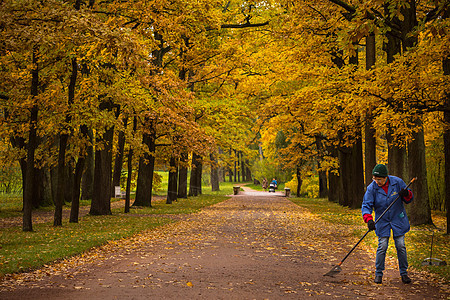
point(248, 171)
point(235, 166)
point(419, 211)
point(299, 181)
point(101, 197)
point(38, 187)
point(333, 178)
point(357, 180)
point(130, 171)
point(19, 142)
point(183, 177)
point(370, 155)
point(47, 187)
point(447, 148)
point(146, 169)
point(333, 187)
point(351, 174)
point(128, 188)
point(396, 153)
point(32, 145)
point(214, 173)
point(173, 178)
point(118, 162)
point(240, 167)
point(60, 189)
point(195, 188)
point(446, 68)
point(75, 205)
point(323, 189)
point(87, 181)
point(344, 175)
point(69, 182)
point(397, 157)
point(79, 168)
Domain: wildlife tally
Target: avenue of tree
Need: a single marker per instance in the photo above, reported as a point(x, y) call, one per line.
point(92, 90)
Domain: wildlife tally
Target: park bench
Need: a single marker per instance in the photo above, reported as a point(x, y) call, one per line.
point(118, 193)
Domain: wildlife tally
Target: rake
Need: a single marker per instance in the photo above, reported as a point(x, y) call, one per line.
point(337, 269)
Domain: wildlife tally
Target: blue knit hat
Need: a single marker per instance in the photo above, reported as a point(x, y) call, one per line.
point(380, 170)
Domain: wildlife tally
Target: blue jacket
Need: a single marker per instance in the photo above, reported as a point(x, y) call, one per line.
point(395, 218)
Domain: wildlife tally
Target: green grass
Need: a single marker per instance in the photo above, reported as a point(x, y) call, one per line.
point(10, 205)
point(418, 240)
point(21, 251)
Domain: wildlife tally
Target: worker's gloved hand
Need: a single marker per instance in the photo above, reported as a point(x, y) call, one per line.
point(403, 193)
point(371, 225)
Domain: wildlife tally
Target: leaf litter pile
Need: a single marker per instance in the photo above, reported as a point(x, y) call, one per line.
point(248, 247)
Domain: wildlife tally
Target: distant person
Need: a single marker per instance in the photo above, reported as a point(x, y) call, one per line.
point(275, 182)
point(383, 190)
point(265, 184)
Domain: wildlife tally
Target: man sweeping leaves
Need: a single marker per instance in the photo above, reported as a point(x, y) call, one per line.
point(379, 194)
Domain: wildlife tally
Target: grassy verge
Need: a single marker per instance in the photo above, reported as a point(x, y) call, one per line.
point(418, 240)
point(21, 251)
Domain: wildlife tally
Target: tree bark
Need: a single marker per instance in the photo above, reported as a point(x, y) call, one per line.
point(446, 65)
point(60, 189)
point(370, 158)
point(351, 165)
point(75, 205)
point(419, 211)
point(357, 187)
point(214, 173)
point(79, 168)
point(446, 68)
point(333, 178)
point(173, 181)
point(118, 162)
point(146, 169)
point(240, 167)
point(195, 185)
point(130, 171)
point(183, 177)
point(248, 171)
point(299, 181)
point(69, 182)
point(351, 174)
point(344, 175)
point(235, 166)
point(396, 153)
point(128, 188)
point(101, 197)
point(38, 186)
point(87, 181)
point(323, 189)
point(397, 157)
point(31, 149)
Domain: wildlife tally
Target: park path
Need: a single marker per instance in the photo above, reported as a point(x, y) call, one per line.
point(256, 245)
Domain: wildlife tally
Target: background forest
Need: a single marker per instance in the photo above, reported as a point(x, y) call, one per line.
point(97, 94)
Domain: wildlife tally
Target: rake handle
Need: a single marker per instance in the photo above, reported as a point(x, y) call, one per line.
point(385, 211)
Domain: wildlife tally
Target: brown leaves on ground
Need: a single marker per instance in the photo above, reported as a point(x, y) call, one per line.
point(251, 246)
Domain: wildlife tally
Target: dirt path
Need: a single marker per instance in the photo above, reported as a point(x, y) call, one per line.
point(254, 246)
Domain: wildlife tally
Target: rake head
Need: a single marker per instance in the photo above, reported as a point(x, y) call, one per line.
point(335, 270)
